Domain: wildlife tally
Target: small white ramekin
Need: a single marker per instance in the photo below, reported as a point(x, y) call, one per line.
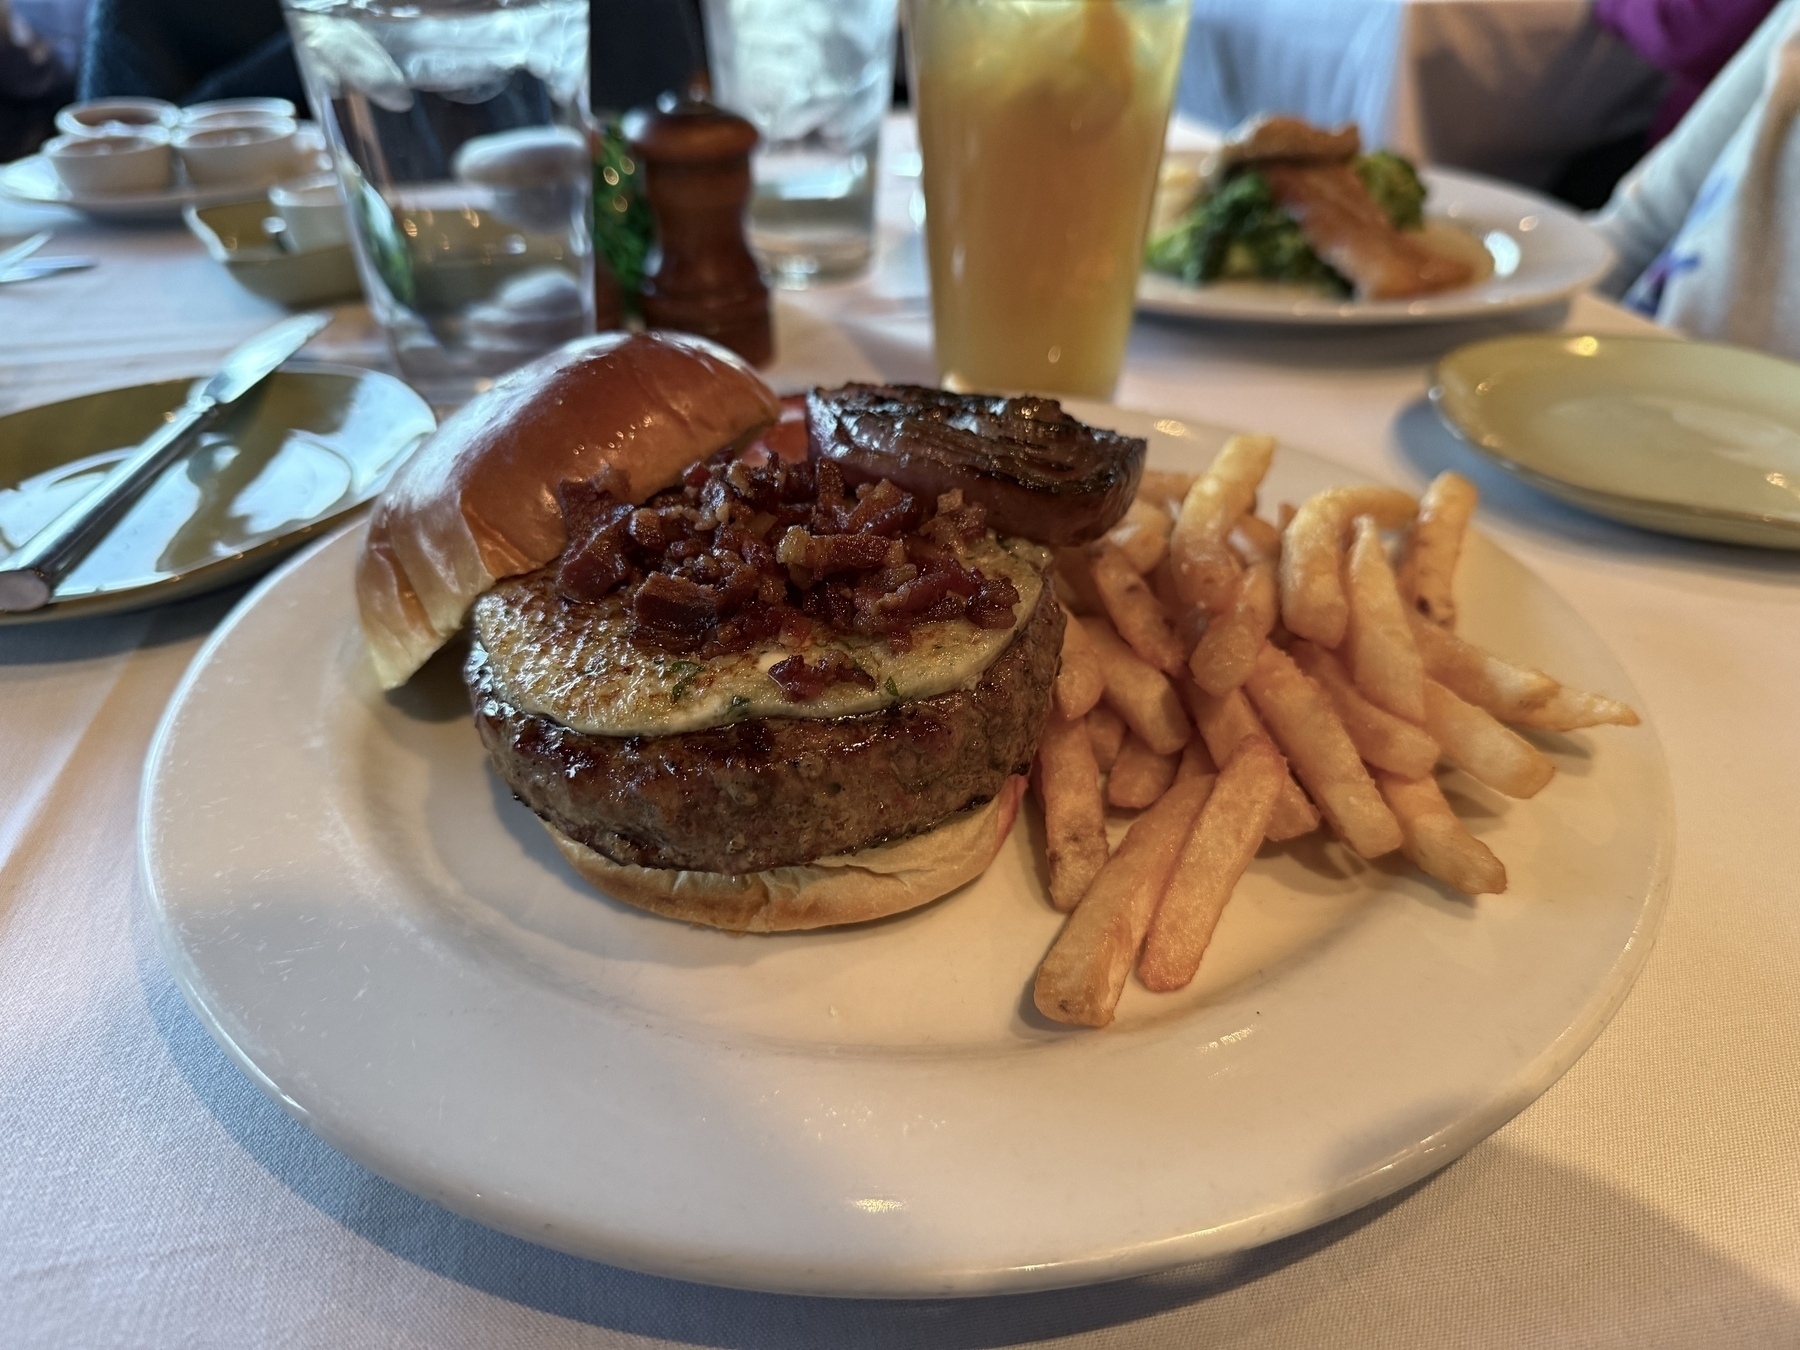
point(112, 165)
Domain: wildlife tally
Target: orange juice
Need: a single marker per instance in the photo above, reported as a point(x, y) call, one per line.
point(1041, 125)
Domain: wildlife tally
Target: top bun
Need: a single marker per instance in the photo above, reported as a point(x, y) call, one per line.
point(477, 502)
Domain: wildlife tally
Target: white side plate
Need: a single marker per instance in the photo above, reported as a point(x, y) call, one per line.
point(1542, 252)
point(389, 945)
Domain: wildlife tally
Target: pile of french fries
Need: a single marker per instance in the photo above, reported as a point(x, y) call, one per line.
point(1325, 680)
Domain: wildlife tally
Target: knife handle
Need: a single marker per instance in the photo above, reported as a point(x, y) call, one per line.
point(30, 574)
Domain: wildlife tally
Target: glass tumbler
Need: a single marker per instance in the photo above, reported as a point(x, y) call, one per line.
point(458, 129)
point(1041, 126)
point(815, 77)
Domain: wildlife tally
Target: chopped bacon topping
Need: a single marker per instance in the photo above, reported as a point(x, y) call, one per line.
point(748, 549)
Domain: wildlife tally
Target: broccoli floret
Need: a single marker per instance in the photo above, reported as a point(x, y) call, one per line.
point(1395, 186)
point(1240, 232)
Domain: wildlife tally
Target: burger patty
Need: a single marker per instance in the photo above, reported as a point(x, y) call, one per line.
point(777, 791)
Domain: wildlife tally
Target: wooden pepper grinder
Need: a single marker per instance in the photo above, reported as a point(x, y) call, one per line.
point(701, 278)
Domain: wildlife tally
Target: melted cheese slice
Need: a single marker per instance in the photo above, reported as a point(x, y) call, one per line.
point(578, 665)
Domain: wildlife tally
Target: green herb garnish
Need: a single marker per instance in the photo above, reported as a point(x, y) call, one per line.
point(686, 672)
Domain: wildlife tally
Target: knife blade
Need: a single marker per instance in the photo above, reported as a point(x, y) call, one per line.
point(24, 249)
point(34, 268)
point(30, 576)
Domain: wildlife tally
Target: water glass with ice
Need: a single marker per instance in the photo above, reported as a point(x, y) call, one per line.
point(815, 77)
point(458, 129)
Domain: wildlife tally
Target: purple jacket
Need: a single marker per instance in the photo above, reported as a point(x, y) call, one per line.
point(1690, 39)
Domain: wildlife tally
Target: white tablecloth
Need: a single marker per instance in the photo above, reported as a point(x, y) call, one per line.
point(1513, 88)
point(150, 1196)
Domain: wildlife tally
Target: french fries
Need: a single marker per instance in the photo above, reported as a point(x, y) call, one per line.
point(1223, 722)
point(1231, 825)
point(1106, 733)
point(1383, 740)
point(1227, 649)
point(1143, 536)
point(1079, 680)
point(1433, 544)
point(1482, 748)
point(1068, 788)
point(1138, 692)
point(1138, 615)
point(1308, 731)
point(1313, 605)
point(1084, 971)
point(1205, 567)
point(1139, 776)
point(1435, 840)
point(1378, 644)
point(1511, 693)
point(1304, 657)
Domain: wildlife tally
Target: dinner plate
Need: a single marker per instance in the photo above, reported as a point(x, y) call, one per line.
point(390, 946)
point(283, 464)
point(1542, 252)
point(1690, 438)
point(34, 181)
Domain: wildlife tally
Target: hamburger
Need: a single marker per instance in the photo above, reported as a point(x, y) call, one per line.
point(753, 666)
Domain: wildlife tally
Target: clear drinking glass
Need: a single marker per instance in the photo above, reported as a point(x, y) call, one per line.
point(459, 133)
point(814, 76)
point(1041, 125)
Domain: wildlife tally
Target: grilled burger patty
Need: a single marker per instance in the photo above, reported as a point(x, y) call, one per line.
point(776, 791)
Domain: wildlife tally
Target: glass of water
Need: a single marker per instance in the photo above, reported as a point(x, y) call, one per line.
point(459, 133)
point(815, 76)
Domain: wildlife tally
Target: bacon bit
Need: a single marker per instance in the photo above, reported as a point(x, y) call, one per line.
point(751, 548)
point(800, 681)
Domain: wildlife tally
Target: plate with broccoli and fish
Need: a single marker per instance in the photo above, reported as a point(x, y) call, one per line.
point(1285, 222)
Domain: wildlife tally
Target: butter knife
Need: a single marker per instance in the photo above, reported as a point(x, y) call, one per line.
point(28, 579)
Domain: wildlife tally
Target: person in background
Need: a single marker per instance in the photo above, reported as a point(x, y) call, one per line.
point(33, 84)
point(1689, 40)
point(1707, 227)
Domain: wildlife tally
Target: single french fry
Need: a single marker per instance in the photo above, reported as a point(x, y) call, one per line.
point(1433, 544)
point(1143, 536)
point(1164, 489)
point(1436, 842)
point(1511, 693)
point(1139, 692)
point(1079, 682)
point(1139, 776)
point(1225, 838)
point(1304, 725)
point(1068, 787)
point(1227, 649)
point(1075, 583)
point(1383, 740)
point(1481, 747)
point(1313, 604)
point(1107, 732)
point(1378, 643)
point(1138, 615)
point(1195, 761)
point(1205, 567)
point(1224, 720)
point(1084, 971)
point(1253, 539)
point(1284, 515)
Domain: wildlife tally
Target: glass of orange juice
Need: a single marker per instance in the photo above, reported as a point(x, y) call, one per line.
point(1041, 125)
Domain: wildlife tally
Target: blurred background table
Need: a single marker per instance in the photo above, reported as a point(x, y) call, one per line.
point(153, 1197)
point(1514, 88)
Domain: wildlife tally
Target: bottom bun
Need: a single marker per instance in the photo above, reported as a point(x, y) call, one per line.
point(849, 888)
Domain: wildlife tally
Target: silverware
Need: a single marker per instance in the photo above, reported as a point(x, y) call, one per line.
point(34, 268)
point(31, 574)
point(24, 249)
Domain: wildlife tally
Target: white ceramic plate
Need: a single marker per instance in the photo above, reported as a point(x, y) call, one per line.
point(1542, 252)
point(1690, 438)
point(32, 180)
point(389, 945)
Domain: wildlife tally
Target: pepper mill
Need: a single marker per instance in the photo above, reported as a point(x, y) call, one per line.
point(701, 278)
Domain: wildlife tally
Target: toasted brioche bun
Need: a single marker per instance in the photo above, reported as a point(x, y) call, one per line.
point(477, 502)
point(851, 888)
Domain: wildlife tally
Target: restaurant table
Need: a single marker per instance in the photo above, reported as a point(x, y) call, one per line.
point(151, 1196)
point(1513, 88)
